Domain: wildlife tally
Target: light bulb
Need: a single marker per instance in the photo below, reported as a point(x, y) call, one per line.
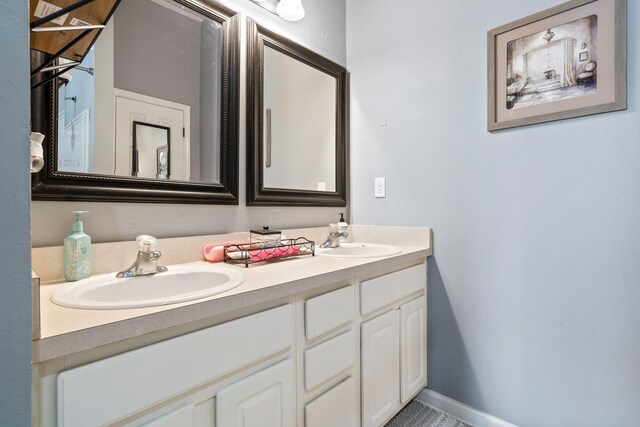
point(291, 10)
point(37, 163)
point(36, 152)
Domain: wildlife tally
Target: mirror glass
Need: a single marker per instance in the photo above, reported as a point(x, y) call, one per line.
point(146, 100)
point(299, 116)
point(297, 124)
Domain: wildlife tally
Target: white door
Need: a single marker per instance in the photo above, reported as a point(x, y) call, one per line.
point(264, 399)
point(132, 107)
point(380, 369)
point(413, 348)
point(74, 143)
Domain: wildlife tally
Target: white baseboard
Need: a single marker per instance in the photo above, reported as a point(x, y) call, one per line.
point(459, 410)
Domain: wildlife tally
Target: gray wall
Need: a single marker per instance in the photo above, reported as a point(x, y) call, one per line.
point(323, 31)
point(15, 251)
point(534, 289)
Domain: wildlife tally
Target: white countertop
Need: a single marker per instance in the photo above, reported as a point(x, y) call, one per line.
point(65, 331)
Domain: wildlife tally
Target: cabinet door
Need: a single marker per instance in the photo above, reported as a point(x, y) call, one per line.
point(191, 411)
point(413, 348)
point(380, 369)
point(183, 417)
point(264, 399)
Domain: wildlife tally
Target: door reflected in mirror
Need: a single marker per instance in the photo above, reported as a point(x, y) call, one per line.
point(157, 64)
point(299, 124)
point(151, 151)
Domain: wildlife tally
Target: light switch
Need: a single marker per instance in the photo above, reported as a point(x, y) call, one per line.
point(381, 188)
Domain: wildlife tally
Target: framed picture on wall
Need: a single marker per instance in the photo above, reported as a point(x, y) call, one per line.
point(563, 62)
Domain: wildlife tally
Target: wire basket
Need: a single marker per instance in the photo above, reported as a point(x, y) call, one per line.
point(251, 253)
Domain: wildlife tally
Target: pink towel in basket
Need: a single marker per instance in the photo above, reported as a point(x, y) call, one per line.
point(275, 252)
point(215, 252)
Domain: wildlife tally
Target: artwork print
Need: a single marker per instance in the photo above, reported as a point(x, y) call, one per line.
point(550, 65)
point(566, 61)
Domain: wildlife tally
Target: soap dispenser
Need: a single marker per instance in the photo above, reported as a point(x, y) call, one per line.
point(343, 228)
point(77, 251)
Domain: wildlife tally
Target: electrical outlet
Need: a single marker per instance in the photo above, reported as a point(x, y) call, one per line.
point(381, 188)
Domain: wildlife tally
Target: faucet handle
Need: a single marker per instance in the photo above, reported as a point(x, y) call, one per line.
point(147, 243)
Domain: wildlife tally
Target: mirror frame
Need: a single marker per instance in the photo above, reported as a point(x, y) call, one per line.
point(50, 184)
point(257, 194)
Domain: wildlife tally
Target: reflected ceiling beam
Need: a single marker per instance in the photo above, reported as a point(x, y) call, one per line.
point(68, 28)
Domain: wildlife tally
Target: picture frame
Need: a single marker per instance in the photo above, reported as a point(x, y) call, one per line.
point(162, 162)
point(535, 69)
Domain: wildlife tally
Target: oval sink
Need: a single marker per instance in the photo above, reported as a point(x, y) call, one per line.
point(359, 250)
point(179, 284)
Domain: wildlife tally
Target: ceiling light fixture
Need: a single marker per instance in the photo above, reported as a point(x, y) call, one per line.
point(548, 35)
point(290, 10)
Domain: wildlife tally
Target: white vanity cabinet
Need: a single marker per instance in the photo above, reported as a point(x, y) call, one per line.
point(394, 343)
point(348, 357)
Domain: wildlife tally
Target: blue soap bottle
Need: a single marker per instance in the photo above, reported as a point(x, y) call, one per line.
point(77, 251)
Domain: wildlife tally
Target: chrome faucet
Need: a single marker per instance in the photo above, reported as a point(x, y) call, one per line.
point(333, 240)
point(146, 261)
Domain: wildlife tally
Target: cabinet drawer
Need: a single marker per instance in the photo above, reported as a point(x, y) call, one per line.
point(329, 311)
point(326, 360)
point(384, 290)
point(335, 408)
point(137, 379)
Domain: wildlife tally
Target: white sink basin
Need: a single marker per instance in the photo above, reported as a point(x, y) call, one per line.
point(359, 250)
point(179, 284)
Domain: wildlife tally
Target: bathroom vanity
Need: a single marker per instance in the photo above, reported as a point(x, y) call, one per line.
point(312, 341)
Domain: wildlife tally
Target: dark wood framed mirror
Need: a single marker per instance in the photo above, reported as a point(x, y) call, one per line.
point(296, 124)
point(167, 66)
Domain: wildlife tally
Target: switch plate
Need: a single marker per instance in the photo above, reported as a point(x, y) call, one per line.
point(381, 188)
